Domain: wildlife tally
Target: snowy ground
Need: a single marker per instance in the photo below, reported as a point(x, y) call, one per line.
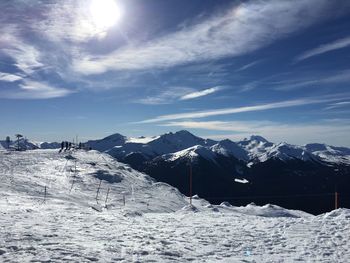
point(155, 225)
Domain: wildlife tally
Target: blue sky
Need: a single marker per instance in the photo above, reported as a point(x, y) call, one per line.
point(220, 69)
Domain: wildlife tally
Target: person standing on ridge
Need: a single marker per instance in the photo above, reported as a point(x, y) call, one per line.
point(62, 146)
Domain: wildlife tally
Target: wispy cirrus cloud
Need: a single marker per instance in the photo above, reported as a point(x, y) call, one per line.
point(342, 76)
point(9, 77)
point(249, 65)
point(338, 105)
point(173, 94)
point(201, 93)
point(323, 131)
point(26, 57)
point(165, 97)
point(35, 90)
point(222, 35)
point(335, 45)
point(259, 107)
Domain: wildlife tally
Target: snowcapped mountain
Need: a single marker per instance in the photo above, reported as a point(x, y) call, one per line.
point(173, 142)
point(107, 143)
point(253, 166)
point(285, 152)
point(252, 150)
point(329, 153)
point(230, 148)
point(255, 146)
point(191, 154)
point(164, 144)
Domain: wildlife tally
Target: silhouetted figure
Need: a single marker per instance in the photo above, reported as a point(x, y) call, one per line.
point(62, 146)
point(66, 145)
point(69, 146)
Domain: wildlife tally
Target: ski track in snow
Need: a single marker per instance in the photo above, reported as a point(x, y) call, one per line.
point(152, 227)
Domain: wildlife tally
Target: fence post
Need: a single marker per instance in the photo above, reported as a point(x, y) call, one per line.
point(336, 197)
point(107, 196)
point(191, 183)
point(98, 191)
point(45, 191)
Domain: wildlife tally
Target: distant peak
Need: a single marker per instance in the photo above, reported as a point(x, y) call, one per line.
point(183, 132)
point(226, 142)
point(115, 136)
point(257, 138)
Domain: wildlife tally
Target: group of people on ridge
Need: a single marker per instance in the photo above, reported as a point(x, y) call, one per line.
point(65, 146)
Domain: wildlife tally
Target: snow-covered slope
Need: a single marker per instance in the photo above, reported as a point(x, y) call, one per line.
point(329, 153)
point(28, 173)
point(285, 152)
point(191, 153)
point(260, 150)
point(141, 139)
point(230, 148)
point(172, 142)
point(255, 146)
point(69, 225)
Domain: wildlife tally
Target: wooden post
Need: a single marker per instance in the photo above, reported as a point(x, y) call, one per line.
point(98, 191)
point(124, 199)
point(336, 200)
point(190, 183)
point(70, 190)
point(336, 189)
point(45, 191)
point(75, 167)
point(107, 196)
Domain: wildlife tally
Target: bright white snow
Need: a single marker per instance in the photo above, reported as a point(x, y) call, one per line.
point(155, 225)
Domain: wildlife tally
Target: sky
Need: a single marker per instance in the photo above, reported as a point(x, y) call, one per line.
point(218, 68)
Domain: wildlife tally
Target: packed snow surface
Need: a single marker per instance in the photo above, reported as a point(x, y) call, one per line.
point(156, 224)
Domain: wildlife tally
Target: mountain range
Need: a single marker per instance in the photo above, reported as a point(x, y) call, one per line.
point(252, 170)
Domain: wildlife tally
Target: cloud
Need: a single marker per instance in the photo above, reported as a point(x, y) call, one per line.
point(35, 90)
point(166, 97)
point(26, 57)
point(338, 105)
point(249, 65)
point(201, 93)
point(70, 21)
point(9, 77)
point(337, 44)
point(222, 35)
point(338, 77)
point(226, 111)
point(324, 131)
point(175, 94)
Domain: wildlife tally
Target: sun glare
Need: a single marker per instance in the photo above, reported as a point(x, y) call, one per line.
point(105, 13)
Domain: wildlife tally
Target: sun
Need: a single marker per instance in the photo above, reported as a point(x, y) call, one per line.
point(105, 13)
